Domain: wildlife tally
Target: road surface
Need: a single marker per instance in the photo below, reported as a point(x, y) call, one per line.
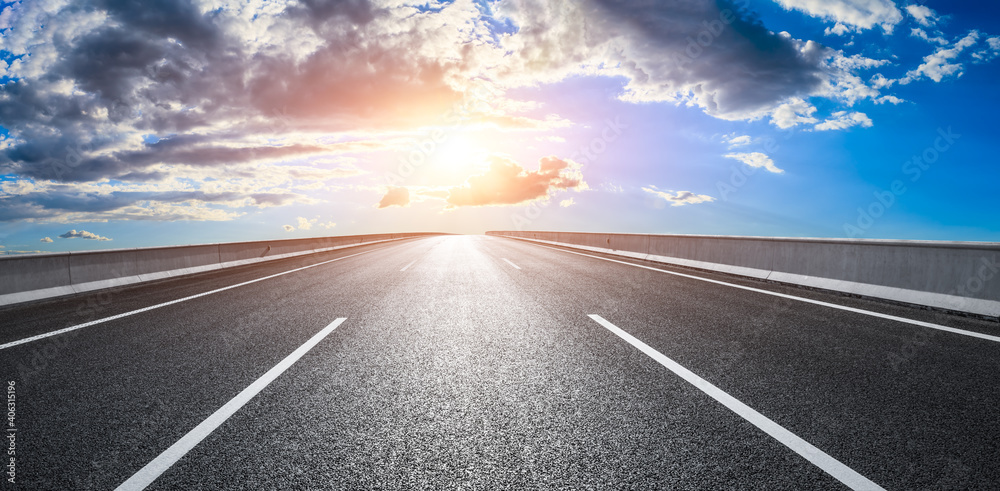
point(473, 362)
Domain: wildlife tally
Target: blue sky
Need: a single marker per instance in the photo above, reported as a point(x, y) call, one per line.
point(190, 122)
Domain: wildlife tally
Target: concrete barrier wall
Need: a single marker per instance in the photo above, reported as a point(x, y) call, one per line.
point(957, 276)
point(40, 276)
point(36, 272)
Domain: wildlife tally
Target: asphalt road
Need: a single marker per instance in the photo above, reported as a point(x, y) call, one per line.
point(470, 362)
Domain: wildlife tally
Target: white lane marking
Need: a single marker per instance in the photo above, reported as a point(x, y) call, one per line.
point(145, 476)
point(814, 455)
point(408, 265)
point(929, 325)
point(510, 263)
point(164, 304)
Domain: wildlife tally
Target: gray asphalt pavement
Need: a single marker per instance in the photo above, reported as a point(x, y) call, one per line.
point(470, 362)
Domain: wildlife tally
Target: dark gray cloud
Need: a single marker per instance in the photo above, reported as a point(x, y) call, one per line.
point(53, 203)
point(713, 54)
point(166, 68)
point(741, 66)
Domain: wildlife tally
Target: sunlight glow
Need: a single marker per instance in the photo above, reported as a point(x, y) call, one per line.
point(458, 157)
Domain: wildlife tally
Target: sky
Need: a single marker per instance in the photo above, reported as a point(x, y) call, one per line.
point(128, 123)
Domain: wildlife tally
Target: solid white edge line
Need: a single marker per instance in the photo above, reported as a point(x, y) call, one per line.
point(145, 476)
point(408, 265)
point(164, 304)
point(793, 297)
point(817, 457)
point(510, 263)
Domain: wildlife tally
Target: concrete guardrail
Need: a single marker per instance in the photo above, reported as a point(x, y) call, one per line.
point(40, 276)
point(955, 276)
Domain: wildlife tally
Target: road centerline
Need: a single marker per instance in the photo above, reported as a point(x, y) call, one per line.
point(408, 265)
point(145, 476)
point(817, 457)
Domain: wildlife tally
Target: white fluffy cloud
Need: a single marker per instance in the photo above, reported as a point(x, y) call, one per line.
point(305, 223)
point(757, 160)
point(857, 14)
point(923, 15)
point(308, 223)
point(82, 234)
point(738, 140)
point(841, 120)
point(988, 52)
point(794, 112)
point(922, 34)
point(679, 198)
point(46, 239)
point(942, 62)
point(838, 29)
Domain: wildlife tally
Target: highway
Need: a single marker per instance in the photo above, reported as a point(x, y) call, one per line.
point(474, 362)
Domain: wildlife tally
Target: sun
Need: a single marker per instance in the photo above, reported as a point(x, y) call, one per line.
point(458, 156)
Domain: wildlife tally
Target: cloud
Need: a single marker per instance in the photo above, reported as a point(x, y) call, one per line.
point(45, 239)
point(507, 183)
point(288, 228)
point(679, 198)
point(212, 108)
point(566, 203)
point(838, 29)
point(142, 92)
point(433, 193)
point(657, 48)
point(940, 64)
point(891, 99)
point(327, 225)
point(305, 223)
point(842, 120)
point(793, 113)
point(57, 202)
point(395, 196)
point(756, 160)
point(738, 141)
point(989, 52)
point(922, 34)
point(923, 15)
point(82, 234)
point(857, 14)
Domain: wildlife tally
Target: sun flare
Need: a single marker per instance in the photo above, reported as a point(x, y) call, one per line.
point(458, 156)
